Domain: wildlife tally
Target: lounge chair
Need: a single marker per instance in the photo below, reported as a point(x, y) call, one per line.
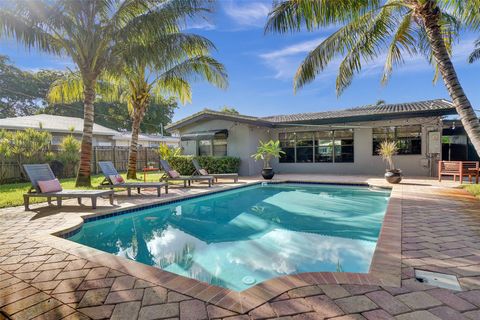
point(202, 172)
point(167, 176)
point(108, 170)
point(42, 173)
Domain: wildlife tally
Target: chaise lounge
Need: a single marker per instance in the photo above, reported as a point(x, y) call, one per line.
point(172, 175)
point(199, 171)
point(42, 178)
point(114, 180)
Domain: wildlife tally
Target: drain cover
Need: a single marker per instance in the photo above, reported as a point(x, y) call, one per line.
point(436, 279)
point(248, 280)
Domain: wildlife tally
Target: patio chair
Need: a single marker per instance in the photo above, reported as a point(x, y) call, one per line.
point(41, 173)
point(167, 176)
point(109, 171)
point(202, 172)
point(470, 169)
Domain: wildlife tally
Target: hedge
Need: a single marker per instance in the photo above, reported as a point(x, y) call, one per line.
point(184, 165)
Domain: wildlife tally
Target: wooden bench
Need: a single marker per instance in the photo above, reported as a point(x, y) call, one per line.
point(458, 169)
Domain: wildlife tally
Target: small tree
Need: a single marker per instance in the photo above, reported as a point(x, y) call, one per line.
point(70, 154)
point(266, 151)
point(167, 152)
point(387, 150)
point(29, 146)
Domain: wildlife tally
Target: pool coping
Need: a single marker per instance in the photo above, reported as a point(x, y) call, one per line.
point(385, 268)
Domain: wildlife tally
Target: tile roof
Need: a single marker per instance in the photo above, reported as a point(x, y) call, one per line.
point(383, 109)
point(370, 112)
point(52, 123)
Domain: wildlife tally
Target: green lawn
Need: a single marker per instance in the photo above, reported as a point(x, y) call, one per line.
point(12, 194)
point(473, 189)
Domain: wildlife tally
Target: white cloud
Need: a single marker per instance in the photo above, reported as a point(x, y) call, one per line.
point(248, 14)
point(202, 24)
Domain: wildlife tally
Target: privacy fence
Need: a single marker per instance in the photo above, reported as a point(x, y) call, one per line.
point(10, 171)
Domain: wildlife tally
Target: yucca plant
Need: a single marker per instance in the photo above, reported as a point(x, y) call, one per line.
point(370, 29)
point(387, 150)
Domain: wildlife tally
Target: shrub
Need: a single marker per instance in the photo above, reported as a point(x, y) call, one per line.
point(184, 165)
point(166, 153)
point(69, 154)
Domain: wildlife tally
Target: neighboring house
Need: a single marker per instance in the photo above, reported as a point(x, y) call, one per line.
point(60, 126)
point(146, 140)
point(333, 142)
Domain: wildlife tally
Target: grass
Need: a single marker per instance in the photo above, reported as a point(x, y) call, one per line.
point(473, 189)
point(12, 194)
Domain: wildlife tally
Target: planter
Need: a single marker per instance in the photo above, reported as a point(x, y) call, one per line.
point(393, 176)
point(267, 173)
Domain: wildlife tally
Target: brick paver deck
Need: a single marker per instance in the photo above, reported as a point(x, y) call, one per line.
point(440, 231)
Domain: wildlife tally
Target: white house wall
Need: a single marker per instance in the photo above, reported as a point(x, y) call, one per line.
point(243, 141)
point(364, 160)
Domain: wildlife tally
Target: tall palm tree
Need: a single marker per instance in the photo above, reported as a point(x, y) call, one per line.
point(371, 28)
point(163, 64)
point(94, 34)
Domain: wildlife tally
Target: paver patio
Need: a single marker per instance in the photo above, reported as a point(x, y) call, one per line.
point(440, 232)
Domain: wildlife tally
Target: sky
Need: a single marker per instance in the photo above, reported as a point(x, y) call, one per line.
point(261, 68)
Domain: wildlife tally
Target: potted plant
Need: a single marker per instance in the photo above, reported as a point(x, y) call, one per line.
point(387, 150)
point(266, 151)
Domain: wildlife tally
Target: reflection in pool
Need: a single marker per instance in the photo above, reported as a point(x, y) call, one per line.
point(238, 238)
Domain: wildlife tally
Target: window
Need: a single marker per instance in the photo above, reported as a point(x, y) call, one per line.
point(287, 143)
point(408, 138)
point(204, 147)
point(323, 146)
point(343, 142)
point(317, 146)
point(304, 147)
point(220, 147)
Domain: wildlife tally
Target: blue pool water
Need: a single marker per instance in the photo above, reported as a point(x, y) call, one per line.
point(238, 238)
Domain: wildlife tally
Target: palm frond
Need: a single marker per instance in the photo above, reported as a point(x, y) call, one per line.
point(292, 15)
point(475, 55)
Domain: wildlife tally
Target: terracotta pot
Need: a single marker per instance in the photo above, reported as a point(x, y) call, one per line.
point(268, 173)
point(394, 176)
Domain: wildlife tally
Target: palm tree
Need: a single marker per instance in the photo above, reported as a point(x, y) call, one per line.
point(163, 64)
point(94, 34)
point(371, 28)
point(475, 55)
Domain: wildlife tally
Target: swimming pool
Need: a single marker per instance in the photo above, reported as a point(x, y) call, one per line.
point(238, 238)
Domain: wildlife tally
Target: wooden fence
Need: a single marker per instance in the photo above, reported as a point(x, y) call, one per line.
point(10, 171)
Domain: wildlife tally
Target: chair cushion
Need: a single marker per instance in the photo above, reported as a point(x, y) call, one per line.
point(116, 179)
point(173, 174)
point(203, 172)
point(49, 186)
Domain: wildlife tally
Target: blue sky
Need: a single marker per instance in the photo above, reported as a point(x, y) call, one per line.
point(261, 68)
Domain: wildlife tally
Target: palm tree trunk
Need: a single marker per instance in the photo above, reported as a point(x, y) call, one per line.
point(430, 14)
point(84, 169)
point(138, 114)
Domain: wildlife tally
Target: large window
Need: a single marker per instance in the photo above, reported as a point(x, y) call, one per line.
point(408, 138)
point(317, 146)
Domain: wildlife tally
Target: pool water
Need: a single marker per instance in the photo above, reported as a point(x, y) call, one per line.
point(238, 238)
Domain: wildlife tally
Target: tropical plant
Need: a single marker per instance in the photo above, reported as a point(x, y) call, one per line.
point(69, 153)
point(475, 55)
point(156, 65)
point(371, 28)
point(94, 34)
point(266, 151)
point(166, 153)
point(387, 150)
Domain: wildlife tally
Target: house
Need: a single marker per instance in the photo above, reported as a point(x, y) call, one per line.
point(145, 140)
point(333, 142)
point(60, 126)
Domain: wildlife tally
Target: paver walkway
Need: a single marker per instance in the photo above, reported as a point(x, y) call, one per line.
point(440, 232)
